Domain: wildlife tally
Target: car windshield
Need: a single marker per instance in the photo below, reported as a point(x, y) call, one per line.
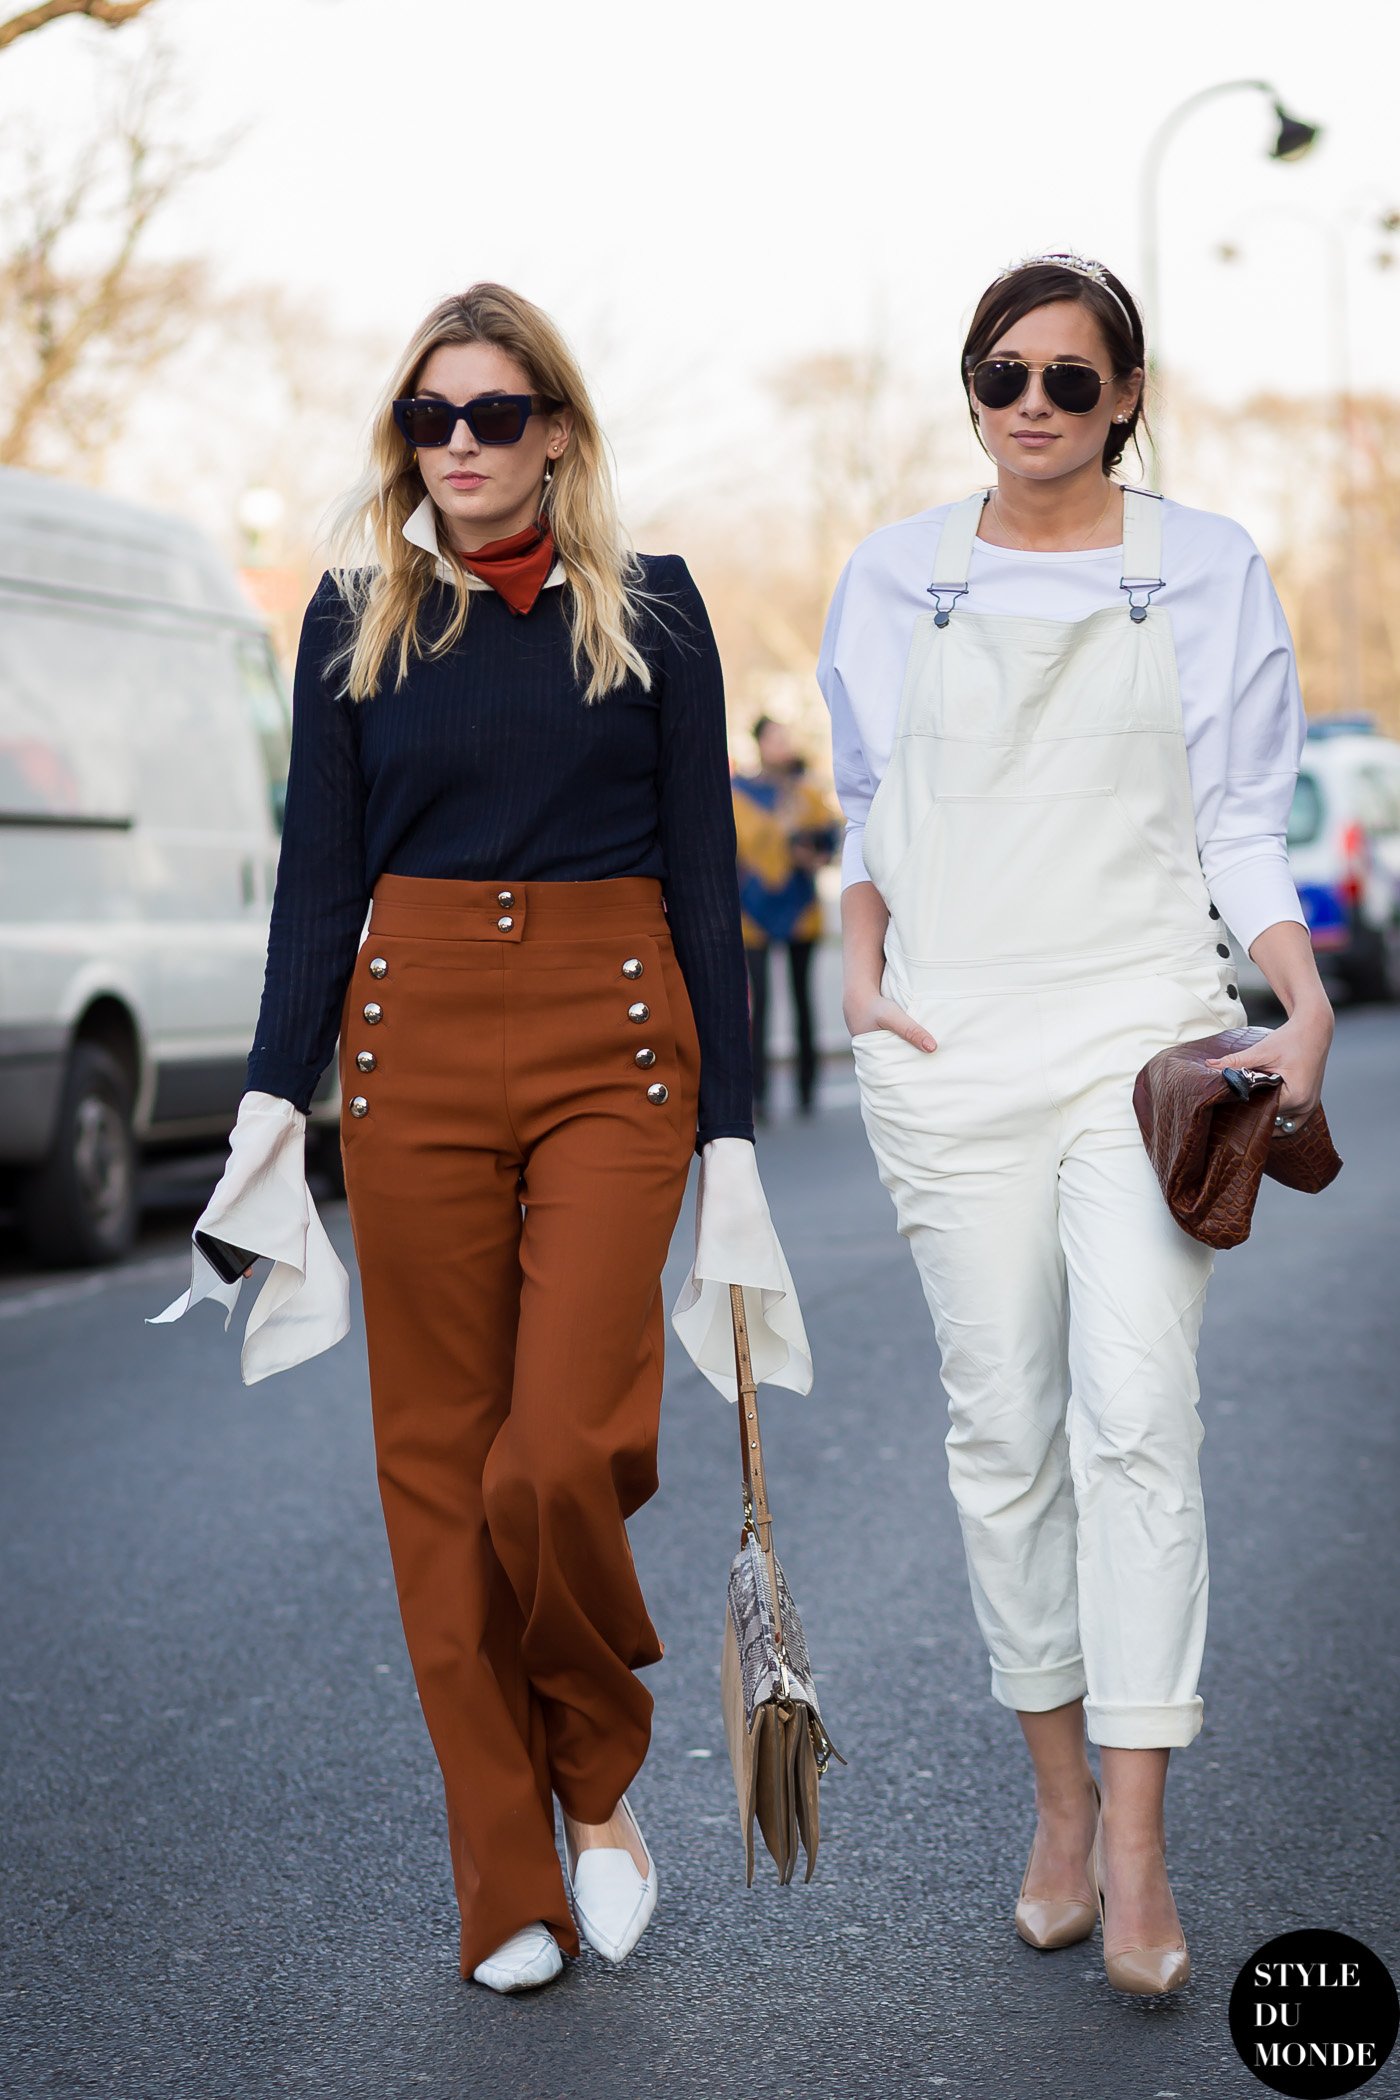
point(1305, 817)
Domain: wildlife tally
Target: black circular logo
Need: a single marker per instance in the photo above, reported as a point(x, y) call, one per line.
point(1314, 2014)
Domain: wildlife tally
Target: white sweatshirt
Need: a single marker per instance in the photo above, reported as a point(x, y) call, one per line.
point(1240, 705)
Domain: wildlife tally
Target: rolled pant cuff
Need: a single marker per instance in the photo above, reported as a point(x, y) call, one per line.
point(1038, 1691)
point(1143, 1727)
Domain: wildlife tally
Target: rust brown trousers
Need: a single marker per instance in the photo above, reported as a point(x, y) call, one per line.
point(520, 1075)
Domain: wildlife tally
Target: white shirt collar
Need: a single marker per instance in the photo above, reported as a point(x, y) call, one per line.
point(421, 531)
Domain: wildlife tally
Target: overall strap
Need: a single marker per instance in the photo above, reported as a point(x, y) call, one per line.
point(1142, 549)
point(954, 556)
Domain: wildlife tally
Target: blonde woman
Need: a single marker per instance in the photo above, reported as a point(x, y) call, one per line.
point(509, 745)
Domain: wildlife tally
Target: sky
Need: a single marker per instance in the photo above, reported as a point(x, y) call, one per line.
point(699, 195)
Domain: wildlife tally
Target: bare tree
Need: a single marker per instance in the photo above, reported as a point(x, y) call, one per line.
point(151, 375)
point(854, 442)
point(270, 389)
point(869, 442)
point(113, 13)
point(1330, 530)
point(85, 318)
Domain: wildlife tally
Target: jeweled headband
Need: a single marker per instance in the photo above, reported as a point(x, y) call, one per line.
point(1082, 266)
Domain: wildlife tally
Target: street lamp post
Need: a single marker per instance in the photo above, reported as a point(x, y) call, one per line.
point(1293, 139)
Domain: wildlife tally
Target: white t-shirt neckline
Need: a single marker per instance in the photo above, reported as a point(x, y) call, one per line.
point(1048, 554)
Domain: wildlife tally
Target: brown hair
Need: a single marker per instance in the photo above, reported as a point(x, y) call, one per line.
point(1010, 298)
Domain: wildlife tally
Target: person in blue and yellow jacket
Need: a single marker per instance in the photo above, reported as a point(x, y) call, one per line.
point(786, 831)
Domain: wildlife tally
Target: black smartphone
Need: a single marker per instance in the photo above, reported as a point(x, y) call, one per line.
point(227, 1261)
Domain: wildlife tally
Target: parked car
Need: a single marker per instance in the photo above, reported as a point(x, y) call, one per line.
point(1344, 851)
point(144, 735)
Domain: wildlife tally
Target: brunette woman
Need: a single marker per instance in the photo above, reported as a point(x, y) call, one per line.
point(509, 746)
point(1067, 728)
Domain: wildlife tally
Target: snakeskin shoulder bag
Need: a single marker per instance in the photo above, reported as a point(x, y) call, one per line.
point(778, 1745)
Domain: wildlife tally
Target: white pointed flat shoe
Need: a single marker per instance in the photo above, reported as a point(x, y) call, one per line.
point(523, 1962)
point(612, 1901)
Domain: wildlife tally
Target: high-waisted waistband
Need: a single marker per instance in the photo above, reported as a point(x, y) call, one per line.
point(442, 909)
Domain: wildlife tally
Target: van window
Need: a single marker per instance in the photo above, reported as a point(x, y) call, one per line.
point(1381, 813)
point(1305, 817)
point(266, 702)
point(64, 751)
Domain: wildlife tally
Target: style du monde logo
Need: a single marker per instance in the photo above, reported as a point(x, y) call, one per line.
point(1314, 2014)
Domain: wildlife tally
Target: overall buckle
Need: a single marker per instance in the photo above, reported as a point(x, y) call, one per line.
point(1140, 590)
point(949, 591)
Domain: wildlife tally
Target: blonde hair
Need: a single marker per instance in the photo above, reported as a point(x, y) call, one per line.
point(384, 578)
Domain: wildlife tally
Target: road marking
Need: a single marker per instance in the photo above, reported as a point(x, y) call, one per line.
point(16, 1304)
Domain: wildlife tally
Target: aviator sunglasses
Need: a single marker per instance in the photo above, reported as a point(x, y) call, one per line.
point(492, 419)
point(998, 381)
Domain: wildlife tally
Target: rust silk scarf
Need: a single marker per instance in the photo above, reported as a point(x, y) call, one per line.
point(515, 567)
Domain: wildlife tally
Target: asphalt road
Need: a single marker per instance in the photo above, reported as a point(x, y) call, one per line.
point(226, 1876)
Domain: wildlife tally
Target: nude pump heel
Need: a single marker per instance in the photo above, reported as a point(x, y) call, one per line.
point(1048, 1922)
point(1146, 1972)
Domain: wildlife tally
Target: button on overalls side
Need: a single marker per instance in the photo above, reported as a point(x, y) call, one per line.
point(1034, 840)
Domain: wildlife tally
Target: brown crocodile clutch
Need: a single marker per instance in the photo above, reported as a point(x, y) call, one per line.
point(1211, 1136)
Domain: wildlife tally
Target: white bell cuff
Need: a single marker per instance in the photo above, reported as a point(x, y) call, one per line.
point(263, 1203)
point(735, 1243)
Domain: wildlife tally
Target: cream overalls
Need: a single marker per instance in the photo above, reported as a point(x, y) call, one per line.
point(1034, 839)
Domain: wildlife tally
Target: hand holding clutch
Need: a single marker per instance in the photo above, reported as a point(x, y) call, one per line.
point(1211, 1133)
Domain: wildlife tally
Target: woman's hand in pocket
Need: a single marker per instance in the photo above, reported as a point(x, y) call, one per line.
point(867, 1012)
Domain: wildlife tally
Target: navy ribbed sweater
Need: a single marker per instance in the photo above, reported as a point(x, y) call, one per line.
point(488, 765)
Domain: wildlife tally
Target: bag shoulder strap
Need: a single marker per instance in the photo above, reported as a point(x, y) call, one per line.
point(758, 1517)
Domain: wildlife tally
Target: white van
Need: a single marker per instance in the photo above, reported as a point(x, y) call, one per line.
point(144, 733)
point(1344, 846)
point(1344, 853)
